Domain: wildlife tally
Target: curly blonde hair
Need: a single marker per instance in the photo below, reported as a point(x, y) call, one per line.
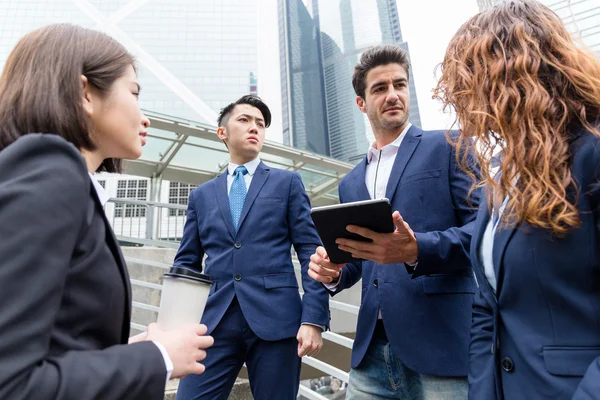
point(516, 78)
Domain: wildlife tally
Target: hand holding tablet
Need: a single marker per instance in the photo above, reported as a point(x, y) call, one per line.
point(332, 221)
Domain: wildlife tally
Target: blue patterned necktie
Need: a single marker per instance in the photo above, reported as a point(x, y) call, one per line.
point(237, 195)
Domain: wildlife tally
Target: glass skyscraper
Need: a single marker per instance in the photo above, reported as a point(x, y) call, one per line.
point(581, 17)
point(320, 42)
point(193, 57)
point(179, 44)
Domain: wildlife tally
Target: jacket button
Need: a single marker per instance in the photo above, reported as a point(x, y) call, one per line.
point(507, 364)
point(375, 283)
point(238, 277)
point(237, 245)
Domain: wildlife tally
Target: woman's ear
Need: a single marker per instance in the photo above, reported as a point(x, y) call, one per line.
point(87, 99)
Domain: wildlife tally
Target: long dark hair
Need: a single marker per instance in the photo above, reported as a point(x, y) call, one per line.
point(41, 89)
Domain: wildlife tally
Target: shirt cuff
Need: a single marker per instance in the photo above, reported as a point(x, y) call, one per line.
point(333, 286)
point(166, 358)
point(323, 328)
point(411, 268)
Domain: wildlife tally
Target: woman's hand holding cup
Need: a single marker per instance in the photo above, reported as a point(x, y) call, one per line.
point(185, 345)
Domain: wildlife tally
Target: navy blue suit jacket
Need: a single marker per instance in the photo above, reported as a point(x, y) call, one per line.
point(255, 262)
point(544, 321)
point(427, 318)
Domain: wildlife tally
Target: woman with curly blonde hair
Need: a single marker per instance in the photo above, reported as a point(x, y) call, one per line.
point(518, 81)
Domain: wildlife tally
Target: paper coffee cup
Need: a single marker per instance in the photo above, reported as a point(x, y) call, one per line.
point(183, 298)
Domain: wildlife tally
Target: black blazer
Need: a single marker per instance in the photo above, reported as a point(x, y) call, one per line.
point(64, 288)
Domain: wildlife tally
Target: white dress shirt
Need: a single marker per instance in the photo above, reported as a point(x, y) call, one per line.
point(103, 196)
point(486, 248)
point(380, 164)
point(379, 168)
point(250, 166)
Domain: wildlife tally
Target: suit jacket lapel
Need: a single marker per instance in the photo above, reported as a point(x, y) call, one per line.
point(407, 148)
point(223, 202)
point(360, 173)
point(483, 217)
point(258, 180)
point(501, 239)
point(113, 244)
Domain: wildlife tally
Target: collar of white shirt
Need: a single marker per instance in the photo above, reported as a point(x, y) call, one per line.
point(373, 153)
point(102, 195)
point(250, 166)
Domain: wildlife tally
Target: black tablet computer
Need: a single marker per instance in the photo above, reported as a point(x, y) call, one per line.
point(331, 222)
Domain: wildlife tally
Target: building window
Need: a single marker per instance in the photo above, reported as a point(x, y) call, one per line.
point(179, 194)
point(103, 184)
point(132, 190)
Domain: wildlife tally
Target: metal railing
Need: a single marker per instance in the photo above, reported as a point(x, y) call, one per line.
point(161, 225)
point(146, 222)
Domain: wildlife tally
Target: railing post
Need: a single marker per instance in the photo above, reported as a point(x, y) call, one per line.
point(150, 222)
point(155, 189)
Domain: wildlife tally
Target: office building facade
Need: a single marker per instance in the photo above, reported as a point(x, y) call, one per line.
point(320, 42)
point(190, 63)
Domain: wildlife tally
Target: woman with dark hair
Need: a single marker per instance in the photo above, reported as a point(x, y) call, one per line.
point(68, 108)
point(518, 81)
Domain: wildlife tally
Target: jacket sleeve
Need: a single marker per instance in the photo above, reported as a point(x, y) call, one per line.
point(315, 302)
point(190, 252)
point(44, 192)
point(439, 251)
point(589, 388)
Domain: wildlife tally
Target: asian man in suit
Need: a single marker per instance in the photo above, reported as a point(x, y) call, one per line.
point(413, 327)
point(245, 222)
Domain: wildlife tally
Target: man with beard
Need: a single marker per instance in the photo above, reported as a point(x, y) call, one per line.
point(417, 284)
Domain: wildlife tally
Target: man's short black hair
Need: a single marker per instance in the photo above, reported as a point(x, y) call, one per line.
point(251, 100)
point(376, 56)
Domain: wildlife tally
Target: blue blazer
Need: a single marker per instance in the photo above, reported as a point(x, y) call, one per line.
point(539, 337)
point(427, 318)
point(255, 262)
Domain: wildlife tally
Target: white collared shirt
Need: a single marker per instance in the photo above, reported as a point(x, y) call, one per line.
point(380, 164)
point(250, 166)
point(103, 197)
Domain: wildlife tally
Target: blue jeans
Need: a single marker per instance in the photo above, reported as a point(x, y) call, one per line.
point(381, 375)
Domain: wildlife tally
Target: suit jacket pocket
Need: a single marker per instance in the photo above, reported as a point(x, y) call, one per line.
point(439, 284)
point(432, 173)
point(269, 199)
point(281, 280)
point(569, 360)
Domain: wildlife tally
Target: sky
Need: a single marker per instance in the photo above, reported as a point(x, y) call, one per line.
point(427, 26)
